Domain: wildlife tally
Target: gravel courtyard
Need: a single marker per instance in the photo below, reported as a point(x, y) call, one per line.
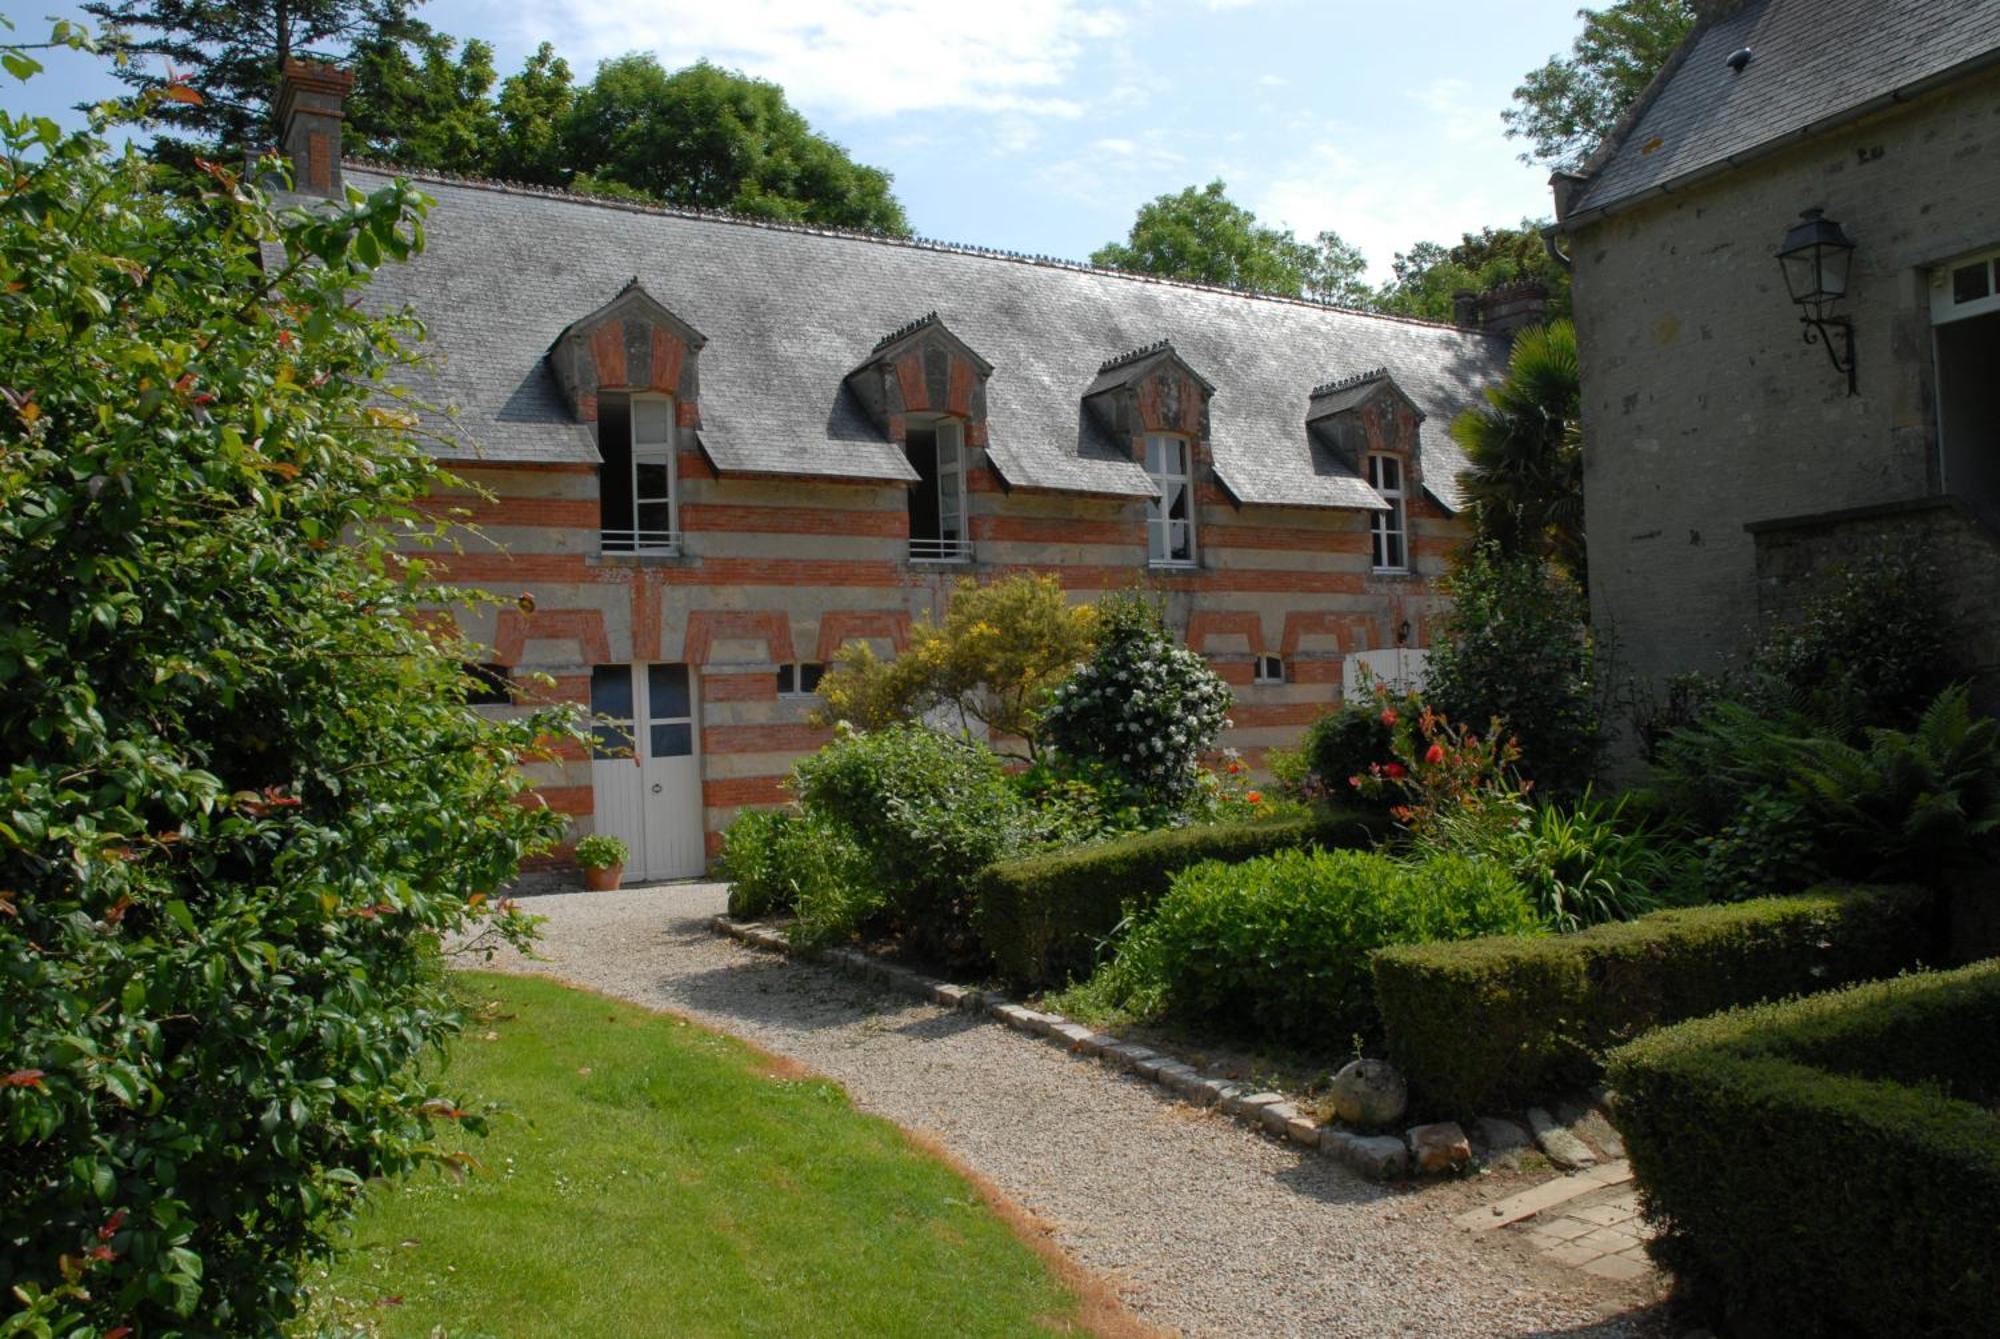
point(1203, 1227)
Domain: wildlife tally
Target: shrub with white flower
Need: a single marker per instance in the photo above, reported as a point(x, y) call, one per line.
point(1141, 706)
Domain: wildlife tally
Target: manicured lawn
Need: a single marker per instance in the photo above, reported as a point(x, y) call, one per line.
point(655, 1178)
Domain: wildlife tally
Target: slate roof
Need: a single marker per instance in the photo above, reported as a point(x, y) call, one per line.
point(1811, 62)
point(790, 311)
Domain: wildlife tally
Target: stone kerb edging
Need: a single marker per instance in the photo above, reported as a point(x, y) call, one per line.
point(1440, 1147)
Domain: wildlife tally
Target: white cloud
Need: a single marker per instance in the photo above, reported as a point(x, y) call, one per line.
point(861, 58)
point(1463, 114)
point(1383, 197)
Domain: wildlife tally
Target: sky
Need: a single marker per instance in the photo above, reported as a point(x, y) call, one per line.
point(1041, 126)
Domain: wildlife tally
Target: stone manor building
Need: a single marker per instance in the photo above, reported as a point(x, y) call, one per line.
point(718, 449)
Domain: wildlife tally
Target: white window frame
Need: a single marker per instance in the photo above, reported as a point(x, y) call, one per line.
point(1393, 524)
point(1161, 528)
point(1944, 308)
point(662, 452)
point(796, 693)
point(953, 544)
point(1264, 666)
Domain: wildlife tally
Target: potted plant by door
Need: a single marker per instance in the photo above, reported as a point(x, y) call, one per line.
point(602, 859)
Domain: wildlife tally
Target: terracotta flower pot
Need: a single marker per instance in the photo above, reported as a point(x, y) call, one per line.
point(604, 879)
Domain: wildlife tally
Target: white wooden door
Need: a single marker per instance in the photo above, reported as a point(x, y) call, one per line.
point(645, 768)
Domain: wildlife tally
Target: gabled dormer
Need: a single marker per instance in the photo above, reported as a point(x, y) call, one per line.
point(1370, 426)
point(1151, 399)
point(925, 389)
point(630, 344)
point(629, 368)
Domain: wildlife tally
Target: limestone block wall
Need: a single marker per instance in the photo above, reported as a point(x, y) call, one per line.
point(1704, 410)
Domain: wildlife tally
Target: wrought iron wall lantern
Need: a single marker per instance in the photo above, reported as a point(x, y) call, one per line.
point(1816, 255)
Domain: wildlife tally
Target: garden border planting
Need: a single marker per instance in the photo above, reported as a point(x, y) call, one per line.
point(1377, 1156)
point(1042, 917)
point(1498, 1022)
point(1817, 1165)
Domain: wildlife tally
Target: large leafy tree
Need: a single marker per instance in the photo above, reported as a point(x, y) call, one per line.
point(714, 139)
point(1201, 235)
point(1566, 108)
point(1430, 273)
point(230, 52)
point(243, 805)
point(534, 106)
point(413, 103)
point(1525, 450)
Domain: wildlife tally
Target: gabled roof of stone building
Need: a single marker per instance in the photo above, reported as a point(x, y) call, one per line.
point(790, 311)
point(1813, 64)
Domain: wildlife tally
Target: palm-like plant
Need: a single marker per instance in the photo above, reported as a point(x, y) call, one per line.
point(1525, 485)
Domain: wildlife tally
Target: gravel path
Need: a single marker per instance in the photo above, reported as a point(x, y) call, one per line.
point(1203, 1227)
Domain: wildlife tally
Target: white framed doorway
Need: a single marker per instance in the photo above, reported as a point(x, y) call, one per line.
point(645, 768)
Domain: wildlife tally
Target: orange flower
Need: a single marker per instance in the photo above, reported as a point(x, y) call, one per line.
point(1255, 797)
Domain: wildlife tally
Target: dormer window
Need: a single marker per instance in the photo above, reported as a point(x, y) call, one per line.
point(937, 500)
point(1170, 516)
point(1391, 528)
point(639, 510)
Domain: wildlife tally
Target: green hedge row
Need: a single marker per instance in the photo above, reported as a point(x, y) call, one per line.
point(1042, 918)
point(1831, 1165)
point(1489, 1024)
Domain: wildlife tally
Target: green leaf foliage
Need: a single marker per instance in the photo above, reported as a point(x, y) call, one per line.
point(242, 800)
point(1203, 236)
point(1279, 946)
point(1141, 706)
point(1525, 447)
point(1515, 645)
point(1831, 1165)
point(778, 861)
point(1566, 108)
point(1549, 1008)
point(1046, 918)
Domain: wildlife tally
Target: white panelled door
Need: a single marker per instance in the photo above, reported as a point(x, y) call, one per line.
point(645, 771)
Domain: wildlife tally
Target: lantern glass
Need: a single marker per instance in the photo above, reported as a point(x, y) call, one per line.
point(1816, 255)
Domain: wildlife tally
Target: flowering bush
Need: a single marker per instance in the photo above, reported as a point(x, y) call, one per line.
point(1141, 706)
point(1443, 782)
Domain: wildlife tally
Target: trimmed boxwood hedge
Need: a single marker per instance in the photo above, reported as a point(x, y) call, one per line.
point(1490, 1024)
point(1831, 1165)
point(1042, 918)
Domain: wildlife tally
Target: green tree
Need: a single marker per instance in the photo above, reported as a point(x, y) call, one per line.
point(1203, 236)
point(993, 660)
point(230, 52)
point(710, 138)
point(429, 112)
point(243, 804)
point(1525, 449)
point(1514, 645)
point(1429, 274)
point(1566, 108)
point(533, 107)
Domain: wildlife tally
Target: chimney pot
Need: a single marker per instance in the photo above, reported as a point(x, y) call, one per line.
point(1465, 308)
point(312, 98)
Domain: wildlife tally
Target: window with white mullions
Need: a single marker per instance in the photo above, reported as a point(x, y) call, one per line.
point(635, 435)
point(937, 501)
point(1170, 516)
point(1391, 528)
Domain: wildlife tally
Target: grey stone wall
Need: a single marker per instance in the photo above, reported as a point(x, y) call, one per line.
point(1703, 409)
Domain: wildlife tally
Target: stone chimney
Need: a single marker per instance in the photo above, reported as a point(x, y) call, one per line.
point(311, 106)
point(1503, 310)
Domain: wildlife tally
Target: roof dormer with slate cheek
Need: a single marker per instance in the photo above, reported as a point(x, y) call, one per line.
point(631, 344)
point(1371, 427)
point(1153, 403)
point(925, 389)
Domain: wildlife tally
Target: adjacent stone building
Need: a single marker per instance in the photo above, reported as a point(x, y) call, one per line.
point(1726, 458)
point(718, 449)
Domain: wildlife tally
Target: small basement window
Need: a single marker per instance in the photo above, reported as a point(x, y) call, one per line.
point(1270, 669)
point(489, 687)
point(800, 679)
